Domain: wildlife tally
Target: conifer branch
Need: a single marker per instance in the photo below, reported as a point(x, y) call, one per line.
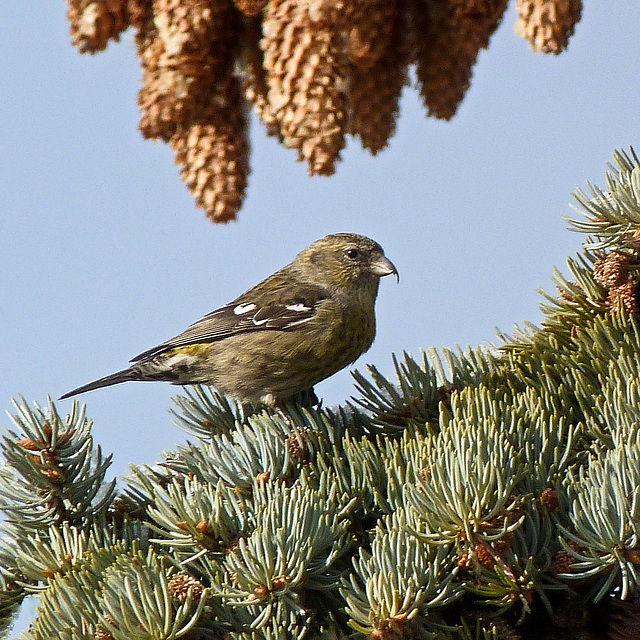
point(480, 494)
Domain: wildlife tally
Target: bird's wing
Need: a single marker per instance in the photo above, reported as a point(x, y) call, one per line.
point(280, 312)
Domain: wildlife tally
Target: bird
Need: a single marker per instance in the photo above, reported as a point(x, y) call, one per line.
point(298, 326)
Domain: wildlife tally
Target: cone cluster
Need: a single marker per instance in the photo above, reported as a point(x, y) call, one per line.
point(618, 274)
point(314, 71)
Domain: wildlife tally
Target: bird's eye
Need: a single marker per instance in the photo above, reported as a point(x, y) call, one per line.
point(352, 253)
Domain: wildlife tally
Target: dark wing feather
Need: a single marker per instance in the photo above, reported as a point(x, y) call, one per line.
point(246, 314)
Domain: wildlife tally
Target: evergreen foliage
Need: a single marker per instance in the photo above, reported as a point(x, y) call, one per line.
point(484, 494)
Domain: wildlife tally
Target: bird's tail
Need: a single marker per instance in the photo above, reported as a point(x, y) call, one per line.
point(115, 378)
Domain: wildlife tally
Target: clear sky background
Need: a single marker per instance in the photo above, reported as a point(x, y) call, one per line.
point(104, 253)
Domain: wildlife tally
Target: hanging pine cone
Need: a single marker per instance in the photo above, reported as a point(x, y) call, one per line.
point(312, 69)
point(547, 24)
point(374, 92)
point(449, 35)
point(92, 23)
point(214, 154)
point(305, 83)
point(368, 25)
point(186, 51)
point(140, 13)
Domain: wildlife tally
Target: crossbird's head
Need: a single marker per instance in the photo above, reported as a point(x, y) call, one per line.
point(343, 262)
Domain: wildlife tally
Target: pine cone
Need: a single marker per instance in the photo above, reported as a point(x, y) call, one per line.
point(93, 23)
point(368, 25)
point(102, 634)
point(305, 83)
point(140, 14)
point(180, 584)
point(547, 24)
point(186, 52)
point(374, 93)
point(627, 295)
point(562, 562)
point(484, 555)
point(214, 154)
point(612, 270)
point(449, 35)
point(549, 498)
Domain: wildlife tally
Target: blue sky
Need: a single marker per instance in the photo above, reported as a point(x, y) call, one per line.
point(105, 255)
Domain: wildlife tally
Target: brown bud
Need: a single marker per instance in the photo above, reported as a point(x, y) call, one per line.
point(29, 445)
point(186, 50)
point(425, 473)
point(463, 560)
point(53, 475)
point(263, 477)
point(279, 582)
point(296, 446)
point(202, 527)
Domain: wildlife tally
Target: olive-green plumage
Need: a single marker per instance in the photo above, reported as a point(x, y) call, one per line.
point(295, 328)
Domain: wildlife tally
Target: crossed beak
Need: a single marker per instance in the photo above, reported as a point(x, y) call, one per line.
point(384, 267)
